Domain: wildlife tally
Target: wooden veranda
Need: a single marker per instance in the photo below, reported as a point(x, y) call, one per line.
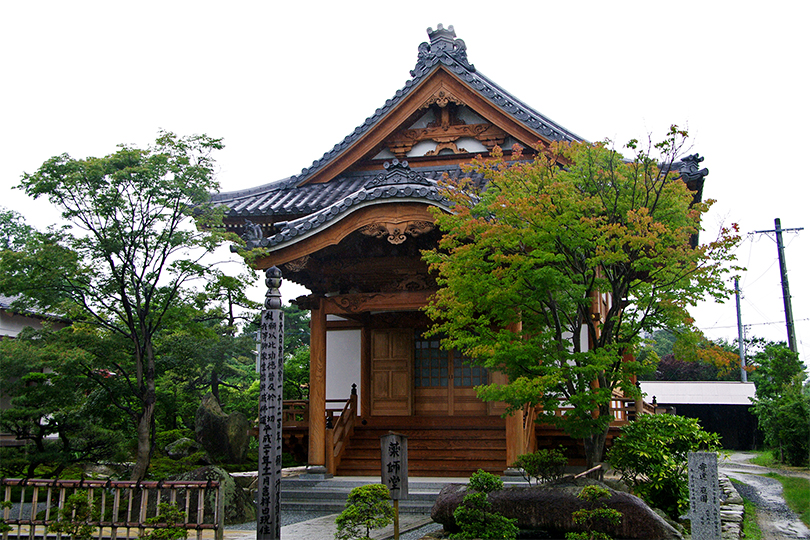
point(438, 445)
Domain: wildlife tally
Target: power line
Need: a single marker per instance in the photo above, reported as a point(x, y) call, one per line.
point(780, 247)
point(751, 324)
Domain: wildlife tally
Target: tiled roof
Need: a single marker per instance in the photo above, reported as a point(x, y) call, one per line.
point(321, 206)
point(7, 304)
point(444, 49)
point(311, 206)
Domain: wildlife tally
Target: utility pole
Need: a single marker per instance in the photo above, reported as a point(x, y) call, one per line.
point(740, 342)
point(791, 331)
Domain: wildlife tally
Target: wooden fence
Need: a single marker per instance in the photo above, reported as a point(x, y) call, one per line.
point(121, 509)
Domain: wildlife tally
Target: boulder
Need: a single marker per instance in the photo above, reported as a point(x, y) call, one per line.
point(224, 436)
point(549, 508)
point(239, 506)
point(181, 448)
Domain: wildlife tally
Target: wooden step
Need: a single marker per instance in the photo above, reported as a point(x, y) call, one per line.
point(456, 446)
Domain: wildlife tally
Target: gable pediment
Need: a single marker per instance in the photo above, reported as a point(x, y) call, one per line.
point(447, 125)
point(446, 114)
point(442, 116)
point(449, 92)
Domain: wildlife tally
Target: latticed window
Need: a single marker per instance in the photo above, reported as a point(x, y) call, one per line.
point(465, 374)
point(435, 367)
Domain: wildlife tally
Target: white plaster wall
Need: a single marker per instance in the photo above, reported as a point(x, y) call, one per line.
point(470, 145)
point(342, 363)
point(583, 339)
point(421, 148)
point(469, 116)
point(11, 324)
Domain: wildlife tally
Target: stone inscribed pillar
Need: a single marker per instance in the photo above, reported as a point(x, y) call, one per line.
point(704, 496)
point(271, 402)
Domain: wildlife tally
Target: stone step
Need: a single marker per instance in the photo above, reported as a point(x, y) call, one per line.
point(306, 495)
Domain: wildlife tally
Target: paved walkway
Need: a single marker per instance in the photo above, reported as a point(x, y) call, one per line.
point(324, 528)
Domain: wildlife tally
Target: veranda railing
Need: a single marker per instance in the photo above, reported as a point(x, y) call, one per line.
point(122, 509)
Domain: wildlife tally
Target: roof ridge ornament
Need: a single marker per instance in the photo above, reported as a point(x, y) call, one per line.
point(444, 47)
point(397, 172)
point(691, 171)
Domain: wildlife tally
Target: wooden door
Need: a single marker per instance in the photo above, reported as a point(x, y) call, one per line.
point(444, 382)
point(391, 368)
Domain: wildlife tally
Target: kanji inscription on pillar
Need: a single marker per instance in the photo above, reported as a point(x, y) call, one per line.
point(394, 448)
point(271, 402)
point(704, 496)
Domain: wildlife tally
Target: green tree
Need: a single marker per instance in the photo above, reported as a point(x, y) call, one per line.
point(598, 516)
point(64, 417)
point(775, 368)
point(782, 404)
point(520, 265)
point(685, 354)
point(203, 350)
point(296, 328)
point(296, 374)
point(14, 232)
point(545, 465)
point(128, 252)
point(367, 507)
point(474, 516)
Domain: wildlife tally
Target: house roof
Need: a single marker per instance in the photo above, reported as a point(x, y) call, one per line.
point(295, 196)
point(328, 190)
point(699, 392)
point(446, 50)
point(7, 305)
point(318, 206)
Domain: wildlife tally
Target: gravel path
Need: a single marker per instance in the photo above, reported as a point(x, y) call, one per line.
point(776, 520)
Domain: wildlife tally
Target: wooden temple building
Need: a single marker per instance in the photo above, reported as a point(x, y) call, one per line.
point(350, 228)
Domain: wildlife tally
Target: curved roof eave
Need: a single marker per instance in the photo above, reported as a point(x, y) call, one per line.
point(397, 184)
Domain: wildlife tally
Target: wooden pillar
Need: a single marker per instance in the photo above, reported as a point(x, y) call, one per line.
point(515, 432)
point(514, 437)
point(365, 371)
point(638, 405)
point(317, 392)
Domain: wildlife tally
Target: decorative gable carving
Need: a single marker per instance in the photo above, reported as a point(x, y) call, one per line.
point(445, 130)
point(442, 97)
point(397, 232)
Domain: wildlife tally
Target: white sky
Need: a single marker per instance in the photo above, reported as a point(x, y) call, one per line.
point(283, 84)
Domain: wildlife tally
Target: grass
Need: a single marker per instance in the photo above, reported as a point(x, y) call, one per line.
point(796, 492)
point(750, 527)
point(765, 459)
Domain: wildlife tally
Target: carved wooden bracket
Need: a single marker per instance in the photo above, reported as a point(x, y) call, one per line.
point(298, 264)
point(445, 130)
point(396, 233)
point(441, 98)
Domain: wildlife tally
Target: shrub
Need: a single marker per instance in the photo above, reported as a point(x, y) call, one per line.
point(473, 515)
point(4, 527)
point(652, 457)
point(544, 465)
point(73, 519)
point(170, 515)
point(368, 507)
point(595, 517)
